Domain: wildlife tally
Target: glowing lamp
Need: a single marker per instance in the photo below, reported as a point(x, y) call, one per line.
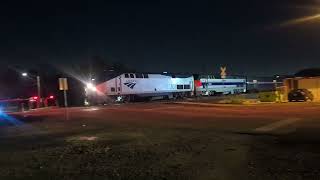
point(91, 87)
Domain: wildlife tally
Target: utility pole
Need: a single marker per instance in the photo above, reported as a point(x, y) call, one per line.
point(39, 100)
point(65, 98)
point(39, 92)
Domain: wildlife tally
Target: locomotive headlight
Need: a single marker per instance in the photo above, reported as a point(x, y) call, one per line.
point(91, 87)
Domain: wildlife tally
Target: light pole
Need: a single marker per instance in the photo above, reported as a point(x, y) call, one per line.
point(38, 87)
point(39, 90)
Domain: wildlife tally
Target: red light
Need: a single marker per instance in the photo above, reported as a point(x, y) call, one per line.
point(197, 83)
point(35, 97)
point(51, 97)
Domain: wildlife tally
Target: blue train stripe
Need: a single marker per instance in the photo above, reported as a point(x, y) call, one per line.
point(224, 83)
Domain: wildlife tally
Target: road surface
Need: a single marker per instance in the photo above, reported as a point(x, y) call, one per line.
point(164, 141)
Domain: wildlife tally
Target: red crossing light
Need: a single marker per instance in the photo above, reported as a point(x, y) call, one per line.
point(197, 83)
point(51, 97)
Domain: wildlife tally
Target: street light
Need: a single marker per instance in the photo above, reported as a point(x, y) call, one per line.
point(38, 87)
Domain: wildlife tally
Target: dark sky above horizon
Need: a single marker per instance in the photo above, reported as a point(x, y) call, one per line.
point(247, 36)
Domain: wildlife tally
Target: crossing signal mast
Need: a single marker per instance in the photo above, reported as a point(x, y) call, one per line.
point(223, 72)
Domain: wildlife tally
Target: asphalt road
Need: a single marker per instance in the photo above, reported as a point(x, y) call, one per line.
point(164, 141)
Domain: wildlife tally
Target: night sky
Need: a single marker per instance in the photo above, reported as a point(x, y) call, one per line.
point(250, 37)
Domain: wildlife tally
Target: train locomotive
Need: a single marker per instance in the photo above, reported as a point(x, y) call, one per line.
point(134, 86)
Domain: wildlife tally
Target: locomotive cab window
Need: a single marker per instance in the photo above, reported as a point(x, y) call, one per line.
point(187, 86)
point(131, 75)
point(139, 75)
point(126, 75)
point(179, 86)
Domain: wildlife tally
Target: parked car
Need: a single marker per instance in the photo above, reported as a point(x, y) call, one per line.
point(300, 95)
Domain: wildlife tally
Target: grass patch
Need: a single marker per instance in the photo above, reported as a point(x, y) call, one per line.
point(234, 99)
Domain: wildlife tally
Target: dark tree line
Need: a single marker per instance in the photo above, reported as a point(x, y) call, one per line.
point(311, 72)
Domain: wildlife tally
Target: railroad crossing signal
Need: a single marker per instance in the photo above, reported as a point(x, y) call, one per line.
point(223, 73)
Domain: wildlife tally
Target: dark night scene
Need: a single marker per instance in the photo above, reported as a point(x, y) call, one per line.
point(160, 90)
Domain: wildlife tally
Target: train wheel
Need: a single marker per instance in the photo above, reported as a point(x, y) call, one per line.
point(128, 98)
point(212, 93)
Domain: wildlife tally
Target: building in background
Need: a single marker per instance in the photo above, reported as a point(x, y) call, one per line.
point(310, 83)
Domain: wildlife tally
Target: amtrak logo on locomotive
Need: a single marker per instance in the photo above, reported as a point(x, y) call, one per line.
point(130, 84)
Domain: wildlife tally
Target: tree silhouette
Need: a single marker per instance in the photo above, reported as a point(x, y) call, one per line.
point(310, 72)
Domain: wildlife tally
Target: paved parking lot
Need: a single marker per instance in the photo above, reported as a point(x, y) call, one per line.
point(164, 140)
